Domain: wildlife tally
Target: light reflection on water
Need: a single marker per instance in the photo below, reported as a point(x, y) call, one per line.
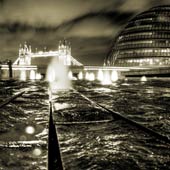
point(113, 145)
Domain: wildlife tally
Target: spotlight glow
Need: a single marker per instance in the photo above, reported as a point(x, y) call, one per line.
point(100, 76)
point(32, 75)
point(70, 75)
point(87, 76)
point(38, 76)
point(91, 77)
point(143, 79)
point(114, 76)
point(23, 75)
point(80, 76)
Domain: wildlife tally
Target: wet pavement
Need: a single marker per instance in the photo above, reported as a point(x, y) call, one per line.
point(89, 137)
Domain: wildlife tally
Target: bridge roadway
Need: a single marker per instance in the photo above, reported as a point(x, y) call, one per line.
point(154, 71)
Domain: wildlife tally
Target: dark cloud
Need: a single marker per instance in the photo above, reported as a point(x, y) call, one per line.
point(89, 25)
point(51, 12)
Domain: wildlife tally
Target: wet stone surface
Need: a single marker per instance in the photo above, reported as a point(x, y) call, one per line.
point(89, 138)
point(22, 147)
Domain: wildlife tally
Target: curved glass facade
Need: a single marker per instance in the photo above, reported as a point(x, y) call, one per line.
point(145, 41)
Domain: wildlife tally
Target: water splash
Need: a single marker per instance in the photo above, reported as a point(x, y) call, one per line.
point(57, 75)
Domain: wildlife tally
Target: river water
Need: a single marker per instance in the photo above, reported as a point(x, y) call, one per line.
point(105, 143)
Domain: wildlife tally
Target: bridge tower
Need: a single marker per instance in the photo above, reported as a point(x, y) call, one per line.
point(24, 55)
point(64, 50)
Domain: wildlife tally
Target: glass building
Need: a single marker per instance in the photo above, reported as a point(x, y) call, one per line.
point(145, 41)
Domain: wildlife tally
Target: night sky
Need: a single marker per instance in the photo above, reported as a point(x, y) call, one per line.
point(90, 25)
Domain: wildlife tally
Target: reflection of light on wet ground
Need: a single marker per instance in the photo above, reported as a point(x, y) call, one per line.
point(125, 84)
point(151, 90)
point(32, 75)
point(102, 89)
point(23, 137)
point(112, 137)
point(59, 106)
point(30, 129)
point(94, 146)
point(37, 152)
point(22, 144)
point(43, 134)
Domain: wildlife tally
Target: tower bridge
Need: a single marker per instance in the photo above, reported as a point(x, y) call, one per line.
point(33, 65)
point(62, 54)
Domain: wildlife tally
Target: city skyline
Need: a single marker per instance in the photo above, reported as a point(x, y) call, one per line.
point(90, 25)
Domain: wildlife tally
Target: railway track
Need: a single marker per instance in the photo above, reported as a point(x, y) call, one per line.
point(10, 99)
point(115, 116)
point(79, 101)
point(21, 129)
point(130, 121)
point(84, 91)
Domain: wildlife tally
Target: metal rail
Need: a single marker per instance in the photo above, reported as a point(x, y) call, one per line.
point(129, 121)
point(84, 122)
point(7, 101)
point(54, 156)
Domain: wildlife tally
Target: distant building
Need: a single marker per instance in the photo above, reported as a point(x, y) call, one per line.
point(144, 42)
